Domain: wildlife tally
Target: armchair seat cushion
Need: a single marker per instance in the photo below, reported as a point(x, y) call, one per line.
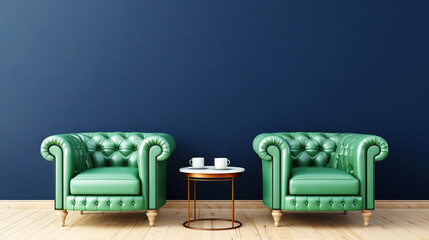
point(322, 181)
point(106, 181)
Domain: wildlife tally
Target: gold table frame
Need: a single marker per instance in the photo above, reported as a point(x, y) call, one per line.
point(209, 177)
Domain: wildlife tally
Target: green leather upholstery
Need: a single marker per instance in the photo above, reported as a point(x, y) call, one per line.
point(105, 203)
point(322, 181)
point(323, 203)
point(83, 162)
point(107, 181)
point(339, 168)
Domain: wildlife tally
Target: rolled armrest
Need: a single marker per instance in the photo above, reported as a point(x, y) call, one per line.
point(71, 157)
point(72, 147)
point(276, 168)
point(357, 147)
point(62, 141)
point(263, 141)
point(356, 154)
point(152, 167)
point(163, 140)
point(367, 141)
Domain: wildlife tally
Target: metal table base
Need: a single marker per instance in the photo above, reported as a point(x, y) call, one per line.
point(210, 178)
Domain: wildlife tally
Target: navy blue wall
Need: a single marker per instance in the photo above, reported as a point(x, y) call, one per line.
point(214, 74)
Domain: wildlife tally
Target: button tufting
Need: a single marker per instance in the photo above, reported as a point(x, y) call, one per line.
point(303, 149)
point(318, 204)
point(134, 148)
point(84, 203)
point(120, 203)
point(306, 203)
point(98, 149)
point(133, 203)
point(330, 204)
point(96, 203)
point(108, 203)
point(342, 203)
point(294, 203)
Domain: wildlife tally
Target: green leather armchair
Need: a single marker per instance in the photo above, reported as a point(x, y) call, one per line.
point(106, 171)
point(313, 171)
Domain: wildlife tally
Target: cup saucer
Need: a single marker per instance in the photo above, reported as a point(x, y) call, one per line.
point(221, 168)
point(197, 167)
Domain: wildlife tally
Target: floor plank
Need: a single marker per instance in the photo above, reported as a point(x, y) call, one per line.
point(257, 224)
point(34, 227)
point(9, 213)
point(16, 217)
point(140, 229)
point(24, 223)
point(176, 229)
point(163, 222)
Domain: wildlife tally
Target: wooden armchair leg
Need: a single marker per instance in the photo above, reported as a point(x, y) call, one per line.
point(366, 214)
point(151, 216)
point(62, 214)
point(277, 215)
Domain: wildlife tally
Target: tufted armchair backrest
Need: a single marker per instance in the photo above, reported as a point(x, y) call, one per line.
point(311, 148)
point(113, 148)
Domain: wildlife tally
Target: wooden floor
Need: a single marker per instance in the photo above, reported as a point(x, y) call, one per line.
point(257, 224)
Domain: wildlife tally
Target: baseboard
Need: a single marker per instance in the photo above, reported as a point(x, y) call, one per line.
point(26, 204)
point(400, 204)
point(216, 204)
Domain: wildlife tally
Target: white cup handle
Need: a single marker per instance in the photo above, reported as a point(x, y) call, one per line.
point(227, 162)
point(190, 161)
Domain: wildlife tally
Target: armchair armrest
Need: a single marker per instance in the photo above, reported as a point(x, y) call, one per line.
point(356, 154)
point(164, 141)
point(71, 156)
point(276, 168)
point(152, 167)
point(263, 141)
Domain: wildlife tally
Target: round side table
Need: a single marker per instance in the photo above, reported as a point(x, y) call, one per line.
point(210, 174)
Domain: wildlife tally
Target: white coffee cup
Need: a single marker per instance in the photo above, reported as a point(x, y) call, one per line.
point(221, 163)
point(197, 162)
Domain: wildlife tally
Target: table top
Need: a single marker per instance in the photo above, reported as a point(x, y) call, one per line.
point(211, 170)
